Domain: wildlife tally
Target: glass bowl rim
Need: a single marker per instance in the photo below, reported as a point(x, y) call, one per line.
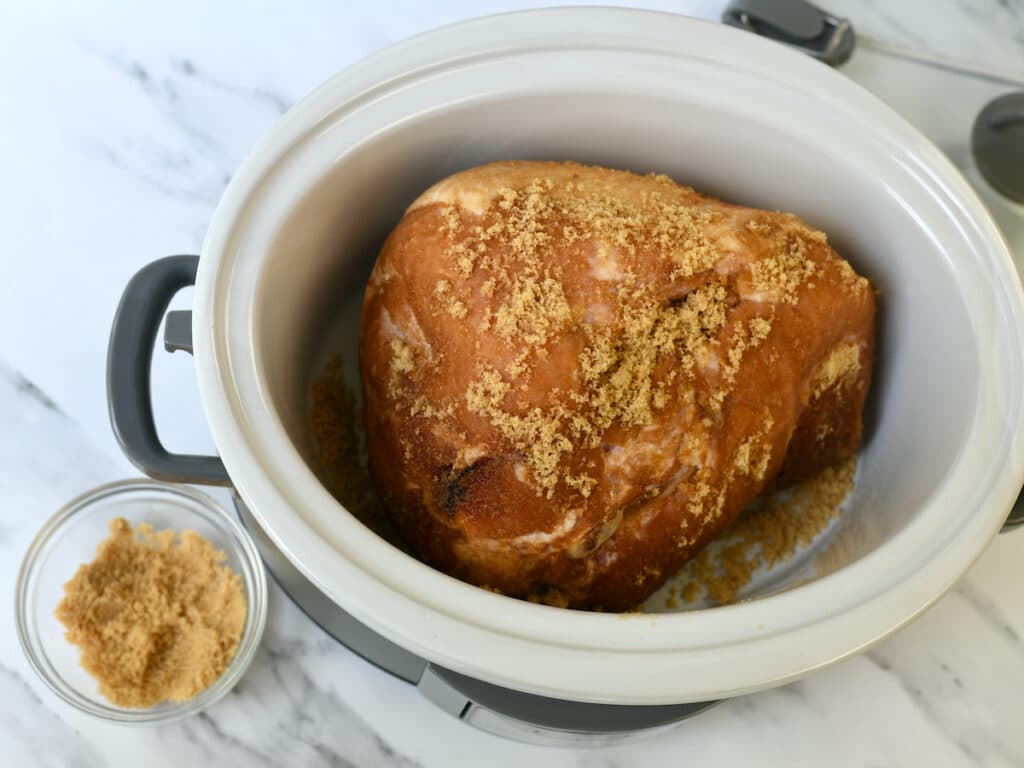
point(254, 576)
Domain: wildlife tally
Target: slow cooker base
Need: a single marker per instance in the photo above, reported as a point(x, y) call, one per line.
point(501, 711)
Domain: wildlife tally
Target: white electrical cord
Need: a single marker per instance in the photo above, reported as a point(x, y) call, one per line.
point(936, 60)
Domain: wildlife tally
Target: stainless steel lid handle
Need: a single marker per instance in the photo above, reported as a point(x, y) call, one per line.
point(129, 354)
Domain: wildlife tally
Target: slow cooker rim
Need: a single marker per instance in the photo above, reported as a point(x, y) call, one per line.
point(247, 179)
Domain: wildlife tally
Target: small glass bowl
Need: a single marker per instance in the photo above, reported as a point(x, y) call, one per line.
point(70, 538)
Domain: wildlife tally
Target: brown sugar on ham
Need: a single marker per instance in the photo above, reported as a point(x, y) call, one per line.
point(575, 377)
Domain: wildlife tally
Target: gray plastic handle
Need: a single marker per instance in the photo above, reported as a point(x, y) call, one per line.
point(997, 146)
point(129, 356)
point(796, 23)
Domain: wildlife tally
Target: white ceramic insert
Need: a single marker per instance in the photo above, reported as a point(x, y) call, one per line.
point(297, 230)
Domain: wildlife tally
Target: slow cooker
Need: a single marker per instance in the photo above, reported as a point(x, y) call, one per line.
point(296, 232)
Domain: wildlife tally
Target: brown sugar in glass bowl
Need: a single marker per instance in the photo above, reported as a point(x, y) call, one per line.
point(157, 615)
point(70, 538)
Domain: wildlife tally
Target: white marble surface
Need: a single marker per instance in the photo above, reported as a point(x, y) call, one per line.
point(119, 126)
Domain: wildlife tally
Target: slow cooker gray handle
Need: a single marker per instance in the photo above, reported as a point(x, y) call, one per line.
point(129, 356)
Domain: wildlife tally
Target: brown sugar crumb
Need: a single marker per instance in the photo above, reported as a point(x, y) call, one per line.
point(697, 253)
point(157, 616)
point(851, 280)
point(401, 357)
point(451, 221)
point(487, 392)
point(535, 215)
point(704, 506)
point(518, 366)
point(691, 592)
point(760, 227)
point(582, 483)
point(500, 256)
point(402, 363)
point(507, 197)
point(754, 454)
point(842, 364)
point(550, 596)
point(767, 534)
point(539, 436)
point(782, 274)
point(759, 329)
point(619, 378)
point(535, 310)
point(461, 251)
point(660, 396)
point(334, 425)
point(695, 506)
point(456, 308)
point(525, 304)
point(421, 406)
point(452, 304)
point(619, 373)
point(672, 598)
point(744, 337)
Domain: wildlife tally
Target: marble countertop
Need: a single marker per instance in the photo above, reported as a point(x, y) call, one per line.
point(121, 124)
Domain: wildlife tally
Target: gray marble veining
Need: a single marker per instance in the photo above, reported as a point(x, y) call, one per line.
point(120, 131)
